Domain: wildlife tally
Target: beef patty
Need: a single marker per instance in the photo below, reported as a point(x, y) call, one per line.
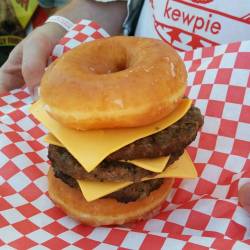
point(133, 192)
point(169, 142)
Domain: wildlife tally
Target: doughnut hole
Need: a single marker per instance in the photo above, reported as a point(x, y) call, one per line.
point(105, 59)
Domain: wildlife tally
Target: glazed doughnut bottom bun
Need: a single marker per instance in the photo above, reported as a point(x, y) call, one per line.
point(105, 211)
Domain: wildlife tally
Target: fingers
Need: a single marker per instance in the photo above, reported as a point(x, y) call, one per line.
point(27, 62)
point(244, 196)
point(36, 52)
point(10, 72)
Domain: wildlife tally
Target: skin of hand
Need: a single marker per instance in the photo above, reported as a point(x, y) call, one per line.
point(244, 196)
point(28, 60)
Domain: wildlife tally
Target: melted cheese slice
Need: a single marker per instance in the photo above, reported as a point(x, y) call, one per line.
point(51, 139)
point(92, 146)
point(156, 165)
point(182, 168)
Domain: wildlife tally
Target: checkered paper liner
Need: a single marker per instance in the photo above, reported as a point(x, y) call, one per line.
point(198, 214)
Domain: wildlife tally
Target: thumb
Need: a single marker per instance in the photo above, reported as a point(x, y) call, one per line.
point(36, 51)
point(10, 72)
point(244, 196)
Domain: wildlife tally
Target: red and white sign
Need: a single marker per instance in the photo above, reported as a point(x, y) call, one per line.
point(196, 23)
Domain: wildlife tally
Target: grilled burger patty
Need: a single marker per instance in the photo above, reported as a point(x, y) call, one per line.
point(170, 141)
point(174, 138)
point(108, 170)
point(133, 192)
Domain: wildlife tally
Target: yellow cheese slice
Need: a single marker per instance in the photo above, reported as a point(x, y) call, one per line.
point(51, 139)
point(155, 164)
point(182, 168)
point(92, 146)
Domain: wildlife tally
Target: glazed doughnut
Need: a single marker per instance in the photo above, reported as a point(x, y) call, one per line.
point(113, 83)
point(105, 211)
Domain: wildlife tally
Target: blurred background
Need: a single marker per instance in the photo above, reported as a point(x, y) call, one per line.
point(19, 17)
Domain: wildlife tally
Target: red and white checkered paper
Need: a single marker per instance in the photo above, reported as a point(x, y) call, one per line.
point(198, 214)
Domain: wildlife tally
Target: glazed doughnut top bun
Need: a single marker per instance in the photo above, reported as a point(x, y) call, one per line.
point(119, 126)
point(113, 83)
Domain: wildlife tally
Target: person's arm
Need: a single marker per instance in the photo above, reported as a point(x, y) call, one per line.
point(109, 15)
point(27, 61)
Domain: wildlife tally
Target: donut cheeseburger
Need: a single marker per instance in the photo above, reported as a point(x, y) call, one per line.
point(120, 125)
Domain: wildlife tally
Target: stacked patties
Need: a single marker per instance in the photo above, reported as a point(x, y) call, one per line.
point(169, 142)
point(163, 127)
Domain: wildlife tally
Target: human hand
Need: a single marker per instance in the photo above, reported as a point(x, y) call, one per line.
point(244, 196)
point(27, 61)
